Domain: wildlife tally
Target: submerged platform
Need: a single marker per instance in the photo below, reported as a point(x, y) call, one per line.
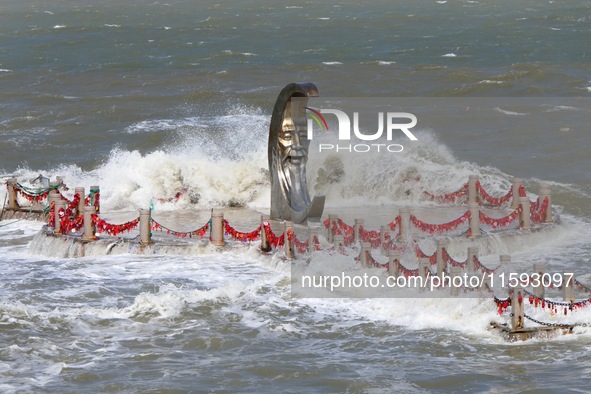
point(28, 213)
point(73, 244)
point(523, 334)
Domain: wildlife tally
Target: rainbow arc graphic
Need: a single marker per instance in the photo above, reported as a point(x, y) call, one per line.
point(317, 117)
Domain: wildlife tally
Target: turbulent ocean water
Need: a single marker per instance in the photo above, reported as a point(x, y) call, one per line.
point(147, 99)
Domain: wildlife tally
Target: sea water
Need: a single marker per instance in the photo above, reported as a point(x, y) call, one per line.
point(148, 99)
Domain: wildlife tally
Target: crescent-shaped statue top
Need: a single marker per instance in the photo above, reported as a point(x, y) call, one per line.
point(288, 156)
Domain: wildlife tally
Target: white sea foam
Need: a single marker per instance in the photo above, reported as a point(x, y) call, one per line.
point(563, 108)
point(382, 178)
point(161, 125)
point(490, 82)
point(221, 159)
point(17, 228)
point(208, 164)
point(506, 112)
point(230, 52)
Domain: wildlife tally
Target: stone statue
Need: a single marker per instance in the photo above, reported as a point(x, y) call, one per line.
point(288, 155)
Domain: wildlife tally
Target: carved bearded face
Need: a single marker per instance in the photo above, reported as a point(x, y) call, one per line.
point(288, 156)
point(292, 156)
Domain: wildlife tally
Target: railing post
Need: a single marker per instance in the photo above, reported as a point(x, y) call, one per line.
point(545, 192)
point(516, 184)
point(393, 259)
point(58, 225)
point(263, 235)
point(568, 288)
point(517, 308)
point(404, 223)
point(472, 191)
point(54, 196)
point(287, 243)
point(145, 225)
point(383, 232)
point(217, 228)
point(358, 225)
point(525, 215)
point(365, 248)
point(312, 234)
point(539, 290)
point(474, 219)
point(441, 243)
point(505, 260)
point(440, 262)
point(89, 228)
point(472, 252)
point(332, 220)
point(423, 267)
point(12, 194)
point(81, 203)
point(95, 200)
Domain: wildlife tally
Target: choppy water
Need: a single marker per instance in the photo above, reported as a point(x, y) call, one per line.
point(146, 100)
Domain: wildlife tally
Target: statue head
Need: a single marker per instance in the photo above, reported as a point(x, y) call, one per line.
point(288, 153)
